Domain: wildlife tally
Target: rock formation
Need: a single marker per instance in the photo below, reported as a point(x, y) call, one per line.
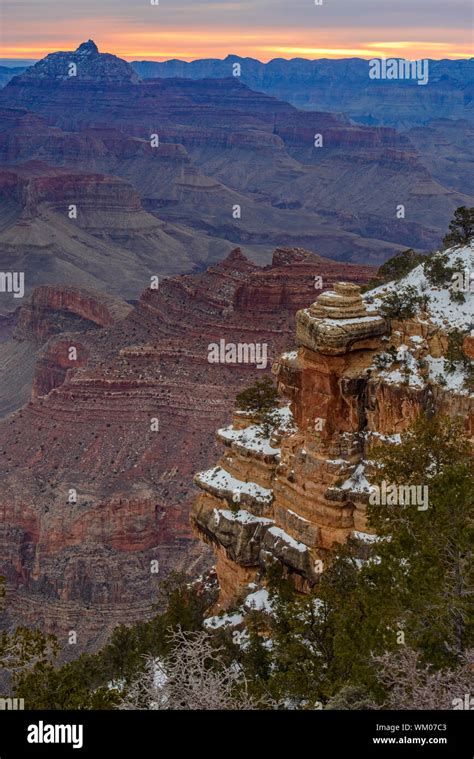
point(87, 64)
point(26, 365)
point(286, 489)
point(338, 322)
point(70, 227)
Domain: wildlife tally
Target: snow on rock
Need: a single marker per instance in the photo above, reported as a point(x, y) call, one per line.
point(241, 516)
point(365, 537)
point(396, 438)
point(277, 532)
point(409, 372)
point(283, 420)
point(297, 516)
point(343, 322)
point(224, 620)
point(220, 480)
point(451, 380)
point(357, 482)
point(251, 438)
point(367, 562)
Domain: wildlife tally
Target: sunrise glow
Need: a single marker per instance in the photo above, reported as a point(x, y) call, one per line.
point(190, 29)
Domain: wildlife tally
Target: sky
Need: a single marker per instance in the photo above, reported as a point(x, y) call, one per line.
point(263, 29)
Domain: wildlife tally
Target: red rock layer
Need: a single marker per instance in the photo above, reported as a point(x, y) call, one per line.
point(90, 429)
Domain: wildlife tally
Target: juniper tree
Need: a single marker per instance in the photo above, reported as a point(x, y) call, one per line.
point(261, 397)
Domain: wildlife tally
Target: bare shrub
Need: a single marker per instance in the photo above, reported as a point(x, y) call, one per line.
point(194, 677)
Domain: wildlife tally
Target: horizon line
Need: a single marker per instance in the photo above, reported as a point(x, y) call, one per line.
point(151, 59)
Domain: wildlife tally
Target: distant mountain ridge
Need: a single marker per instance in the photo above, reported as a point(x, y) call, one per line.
point(8, 72)
point(341, 85)
point(335, 85)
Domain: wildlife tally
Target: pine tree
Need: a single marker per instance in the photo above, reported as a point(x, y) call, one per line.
point(461, 227)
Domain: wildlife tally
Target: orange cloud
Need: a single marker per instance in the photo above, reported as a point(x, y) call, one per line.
point(193, 42)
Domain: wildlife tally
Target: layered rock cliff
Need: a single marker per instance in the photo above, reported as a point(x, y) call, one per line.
point(121, 426)
point(288, 487)
point(26, 363)
point(65, 226)
point(339, 85)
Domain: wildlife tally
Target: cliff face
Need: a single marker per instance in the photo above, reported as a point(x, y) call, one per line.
point(27, 363)
point(85, 229)
point(125, 425)
point(289, 489)
point(39, 316)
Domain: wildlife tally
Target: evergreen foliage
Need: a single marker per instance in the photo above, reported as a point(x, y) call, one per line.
point(261, 398)
point(401, 304)
point(461, 228)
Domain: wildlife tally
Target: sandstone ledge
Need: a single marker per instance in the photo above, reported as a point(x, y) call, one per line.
point(335, 337)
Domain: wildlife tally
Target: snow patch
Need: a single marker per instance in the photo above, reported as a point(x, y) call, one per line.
point(242, 517)
point(251, 438)
point(357, 482)
point(225, 620)
point(282, 535)
point(259, 601)
point(220, 479)
point(441, 309)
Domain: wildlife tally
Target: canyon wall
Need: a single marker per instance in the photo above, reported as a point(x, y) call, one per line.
point(97, 475)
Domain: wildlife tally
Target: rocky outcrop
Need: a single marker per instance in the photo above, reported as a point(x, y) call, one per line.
point(49, 308)
point(288, 489)
point(124, 426)
point(291, 281)
point(338, 322)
